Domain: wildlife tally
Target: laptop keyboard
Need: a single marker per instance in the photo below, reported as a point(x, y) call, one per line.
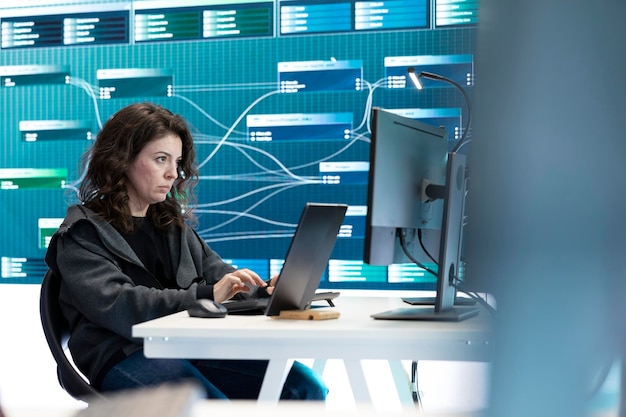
point(256, 306)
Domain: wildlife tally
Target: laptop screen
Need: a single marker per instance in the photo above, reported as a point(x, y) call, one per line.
point(307, 257)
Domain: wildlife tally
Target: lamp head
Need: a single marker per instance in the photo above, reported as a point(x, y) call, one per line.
point(415, 78)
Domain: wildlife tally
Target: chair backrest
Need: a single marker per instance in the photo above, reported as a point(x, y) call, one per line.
point(57, 332)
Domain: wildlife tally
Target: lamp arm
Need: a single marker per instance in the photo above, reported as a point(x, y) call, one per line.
point(467, 103)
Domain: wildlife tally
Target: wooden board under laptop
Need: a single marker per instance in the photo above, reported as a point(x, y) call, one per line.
point(309, 314)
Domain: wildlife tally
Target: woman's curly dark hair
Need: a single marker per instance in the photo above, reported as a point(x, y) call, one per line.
point(122, 137)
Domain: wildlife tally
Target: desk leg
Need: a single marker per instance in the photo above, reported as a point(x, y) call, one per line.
point(277, 370)
point(319, 365)
point(402, 382)
point(357, 381)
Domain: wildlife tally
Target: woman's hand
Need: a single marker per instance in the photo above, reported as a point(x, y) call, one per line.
point(271, 284)
point(235, 282)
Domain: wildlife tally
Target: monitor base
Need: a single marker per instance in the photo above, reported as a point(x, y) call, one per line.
point(427, 313)
point(430, 301)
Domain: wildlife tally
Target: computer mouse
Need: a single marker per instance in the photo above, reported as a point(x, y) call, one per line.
point(206, 308)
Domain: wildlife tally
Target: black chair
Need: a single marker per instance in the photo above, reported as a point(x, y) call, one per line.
point(57, 332)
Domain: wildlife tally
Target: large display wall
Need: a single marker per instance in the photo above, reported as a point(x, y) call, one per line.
point(278, 92)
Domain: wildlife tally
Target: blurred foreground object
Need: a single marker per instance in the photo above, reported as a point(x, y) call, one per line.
point(547, 197)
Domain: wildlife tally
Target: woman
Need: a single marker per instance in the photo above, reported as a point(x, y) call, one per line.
point(127, 254)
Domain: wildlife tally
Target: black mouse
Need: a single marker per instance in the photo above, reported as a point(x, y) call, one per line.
point(206, 308)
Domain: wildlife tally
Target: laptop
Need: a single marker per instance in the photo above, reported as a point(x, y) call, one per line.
point(306, 259)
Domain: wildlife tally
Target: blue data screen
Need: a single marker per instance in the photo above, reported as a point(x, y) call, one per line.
point(279, 94)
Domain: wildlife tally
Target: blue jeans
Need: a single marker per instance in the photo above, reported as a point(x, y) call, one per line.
point(222, 379)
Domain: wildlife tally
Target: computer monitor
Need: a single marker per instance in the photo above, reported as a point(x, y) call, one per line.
point(415, 186)
point(405, 155)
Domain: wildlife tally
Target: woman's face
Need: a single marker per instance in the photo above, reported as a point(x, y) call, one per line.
point(152, 174)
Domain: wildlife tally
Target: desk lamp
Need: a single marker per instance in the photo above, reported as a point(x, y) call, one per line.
point(416, 79)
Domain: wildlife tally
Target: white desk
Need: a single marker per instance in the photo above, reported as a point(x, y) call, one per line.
point(353, 337)
point(210, 408)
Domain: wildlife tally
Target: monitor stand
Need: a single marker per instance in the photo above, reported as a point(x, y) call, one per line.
point(449, 254)
point(430, 301)
point(427, 313)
